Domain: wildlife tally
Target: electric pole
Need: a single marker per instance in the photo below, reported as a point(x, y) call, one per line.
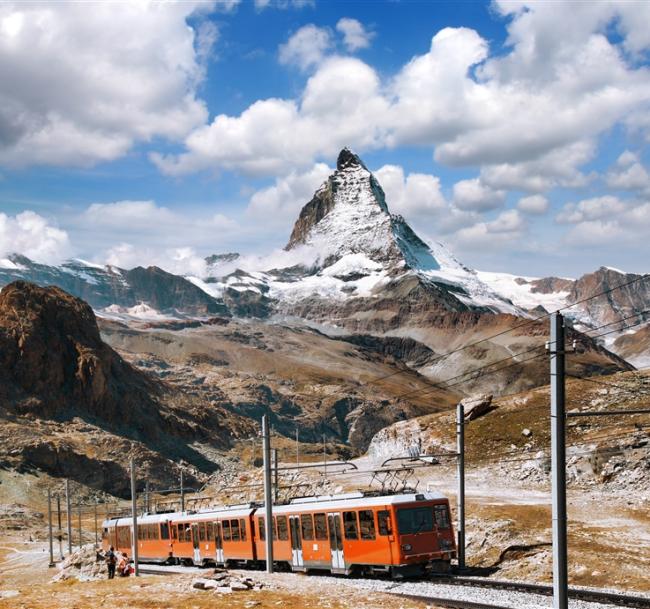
point(268, 493)
point(558, 463)
point(49, 526)
point(460, 469)
point(182, 493)
point(134, 516)
point(68, 515)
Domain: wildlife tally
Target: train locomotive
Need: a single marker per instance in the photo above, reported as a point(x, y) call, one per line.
point(404, 534)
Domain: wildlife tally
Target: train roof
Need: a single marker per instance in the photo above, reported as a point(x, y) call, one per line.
point(320, 503)
point(335, 502)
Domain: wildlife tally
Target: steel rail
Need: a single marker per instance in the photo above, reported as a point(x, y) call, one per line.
point(597, 596)
point(594, 596)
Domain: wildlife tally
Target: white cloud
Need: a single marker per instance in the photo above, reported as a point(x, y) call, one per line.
point(607, 221)
point(306, 47)
point(597, 208)
point(529, 116)
point(474, 195)
point(260, 5)
point(628, 173)
point(33, 236)
point(82, 86)
point(534, 204)
point(507, 227)
point(276, 136)
point(355, 35)
point(412, 194)
point(282, 201)
point(559, 167)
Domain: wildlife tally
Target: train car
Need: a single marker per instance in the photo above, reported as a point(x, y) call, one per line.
point(154, 537)
point(221, 536)
point(404, 534)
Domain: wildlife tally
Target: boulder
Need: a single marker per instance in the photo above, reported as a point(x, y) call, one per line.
point(476, 405)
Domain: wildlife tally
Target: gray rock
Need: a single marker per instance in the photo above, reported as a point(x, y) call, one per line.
point(475, 406)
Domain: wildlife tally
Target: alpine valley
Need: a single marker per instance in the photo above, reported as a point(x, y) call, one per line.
point(343, 339)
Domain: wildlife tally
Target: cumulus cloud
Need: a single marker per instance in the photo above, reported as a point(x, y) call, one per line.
point(33, 236)
point(285, 198)
point(77, 97)
point(412, 194)
point(591, 209)
point(507, 227)
point(628, 173)
point(277, 136)
point(530, 117)
point(355, 35)
point(260, 5)
point(534, 205)
point(306, 47)
point(474, 195)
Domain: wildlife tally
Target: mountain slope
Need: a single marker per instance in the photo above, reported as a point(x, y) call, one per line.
point(71, 406)
point(109, 286)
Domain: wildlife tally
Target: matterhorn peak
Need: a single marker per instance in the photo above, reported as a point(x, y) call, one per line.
point(347, 159)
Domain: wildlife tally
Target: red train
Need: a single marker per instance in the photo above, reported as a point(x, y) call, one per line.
point(401, 534)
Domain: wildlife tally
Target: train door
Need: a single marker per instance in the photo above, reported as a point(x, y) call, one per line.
point(336, 541)
point(218, 542)
point(195, 544)
point(296, 542)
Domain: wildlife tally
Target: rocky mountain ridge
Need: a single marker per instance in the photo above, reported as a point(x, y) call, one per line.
point(351, 267)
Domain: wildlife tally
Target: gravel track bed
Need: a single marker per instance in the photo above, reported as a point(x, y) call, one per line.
point(507, 598)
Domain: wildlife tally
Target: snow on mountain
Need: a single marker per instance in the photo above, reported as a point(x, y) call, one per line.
point(520, 290)
point(346, 244)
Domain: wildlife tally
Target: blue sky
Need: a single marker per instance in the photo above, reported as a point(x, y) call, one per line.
point(140, 133)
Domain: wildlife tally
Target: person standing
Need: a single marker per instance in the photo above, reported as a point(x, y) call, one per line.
point(111, 561)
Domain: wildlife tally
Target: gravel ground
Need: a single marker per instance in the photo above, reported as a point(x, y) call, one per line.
point(516, 600)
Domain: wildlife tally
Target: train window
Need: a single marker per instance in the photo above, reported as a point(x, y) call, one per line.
point(234, 527)
point(383, 522)
point(367, 524)
point(208, 532)
point(242, 529)
point(274, 529)
point(174, 532)
point(283, 530)
point(411, 521)
point(320, 525)
point(202, 531)
point(307, 524)
point(262, 528)
point(225, 527)
point(441, 514)
point(164, 530)
point(350, 525)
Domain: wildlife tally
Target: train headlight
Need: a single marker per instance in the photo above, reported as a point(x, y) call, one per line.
point(407, 547)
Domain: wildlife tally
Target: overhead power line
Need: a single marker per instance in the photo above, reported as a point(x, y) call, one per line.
point(516, 327)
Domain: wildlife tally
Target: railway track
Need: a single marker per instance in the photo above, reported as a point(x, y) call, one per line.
point(594, 596)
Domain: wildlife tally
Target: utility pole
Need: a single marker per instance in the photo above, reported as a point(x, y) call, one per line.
point(68, 515)
point(558, 463)
point(134, 515)
point(268, 493)
point(182, 493)
point(146, 496)
point(297, 448)
point(49, 526)
point(460, 468)
point(79, 523)
point(96, 541)
point(324, 459)
point(60, 530)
